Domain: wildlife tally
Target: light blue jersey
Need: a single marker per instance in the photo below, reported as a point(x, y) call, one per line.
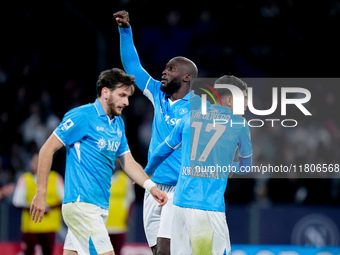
point(209, 143)
point(93, 141)
point(166, 114)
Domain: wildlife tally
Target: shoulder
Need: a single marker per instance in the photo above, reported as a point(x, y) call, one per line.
point(81, 111)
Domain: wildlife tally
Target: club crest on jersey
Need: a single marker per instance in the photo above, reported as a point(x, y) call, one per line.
point(68, 123)
point(183, 111)
point(119, 133)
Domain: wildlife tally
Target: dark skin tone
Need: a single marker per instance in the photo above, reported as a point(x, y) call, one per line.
point(178, 72)
point(176, 79)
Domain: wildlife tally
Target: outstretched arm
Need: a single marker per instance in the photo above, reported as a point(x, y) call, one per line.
point(46, 153)
point(136, 173)
point(128, 52)
point(158, 156)
point(164, 150)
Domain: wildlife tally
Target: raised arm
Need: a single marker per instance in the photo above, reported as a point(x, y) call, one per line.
point(46, 153)
point(128, 52)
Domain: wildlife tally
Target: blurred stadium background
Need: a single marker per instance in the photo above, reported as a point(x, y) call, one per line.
point(51, 55)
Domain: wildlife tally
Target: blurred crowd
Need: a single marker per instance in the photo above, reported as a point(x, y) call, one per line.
point(50, 61)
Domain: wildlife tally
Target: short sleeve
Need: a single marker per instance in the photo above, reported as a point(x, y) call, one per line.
point(73, 127)
point(245, 147)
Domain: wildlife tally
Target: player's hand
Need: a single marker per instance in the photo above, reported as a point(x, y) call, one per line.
point(122, 18)
point(159, 195)
point(37, 208)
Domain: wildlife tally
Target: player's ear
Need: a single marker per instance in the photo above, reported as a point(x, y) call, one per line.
point(229, 101)
point(105, 93)
point(187, 77)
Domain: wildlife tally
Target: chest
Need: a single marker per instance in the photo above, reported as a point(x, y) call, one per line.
point(104, 137)
point(169, 114)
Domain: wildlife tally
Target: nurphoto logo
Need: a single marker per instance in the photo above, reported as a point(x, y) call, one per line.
point(294, 97)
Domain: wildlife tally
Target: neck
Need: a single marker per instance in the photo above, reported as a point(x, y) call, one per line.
point(106, 108)
point(182, 92)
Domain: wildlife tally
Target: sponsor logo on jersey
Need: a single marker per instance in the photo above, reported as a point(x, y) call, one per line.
point(171, 121)
point(109, 145)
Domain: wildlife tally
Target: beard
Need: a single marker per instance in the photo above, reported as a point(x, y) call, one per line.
point(115, 111)
point(171, 87)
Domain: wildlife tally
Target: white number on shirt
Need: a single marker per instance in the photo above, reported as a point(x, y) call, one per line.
point(219, 129)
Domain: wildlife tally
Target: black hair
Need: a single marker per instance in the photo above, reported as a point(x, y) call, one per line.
point(232, 80)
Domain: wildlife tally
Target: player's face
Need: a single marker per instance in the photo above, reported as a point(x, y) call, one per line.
point(118, 99)
point(171, 77)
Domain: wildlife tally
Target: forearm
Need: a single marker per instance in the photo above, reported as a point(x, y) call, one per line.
point(44, 166)
point(130, 59)
point(128, 52)
point(45, 161)
point(135, 172)
point(158, 156)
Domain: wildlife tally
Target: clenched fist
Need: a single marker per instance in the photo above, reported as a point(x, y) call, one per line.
point(122, 18)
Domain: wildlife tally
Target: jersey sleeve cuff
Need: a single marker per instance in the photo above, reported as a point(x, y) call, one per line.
point(123, 153)
point(59, 138)
point(249, 155)
point(124, 30)
point(173, 147)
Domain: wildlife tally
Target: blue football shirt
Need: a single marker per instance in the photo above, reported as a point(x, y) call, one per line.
point(166, 113)
point(208, 151)
point(93, 141)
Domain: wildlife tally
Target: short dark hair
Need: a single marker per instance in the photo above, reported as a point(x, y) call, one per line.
point(230, 79)
point(114, 78)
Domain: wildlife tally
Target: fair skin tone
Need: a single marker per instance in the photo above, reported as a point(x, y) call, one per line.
point(113, 102)
point(227, 101)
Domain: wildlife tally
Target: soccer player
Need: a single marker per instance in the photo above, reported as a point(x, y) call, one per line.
point(171, 100)
point(94, 136)
point(209, 144)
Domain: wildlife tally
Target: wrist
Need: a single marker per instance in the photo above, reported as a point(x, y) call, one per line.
point(124, 29)
point(148, 184)
point(41, 192)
